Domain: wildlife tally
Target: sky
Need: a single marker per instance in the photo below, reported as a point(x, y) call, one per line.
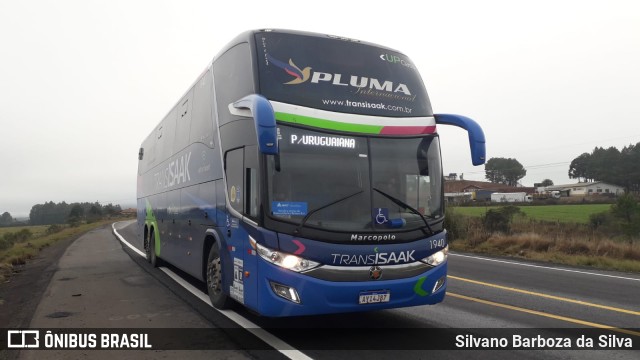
point(83, 82)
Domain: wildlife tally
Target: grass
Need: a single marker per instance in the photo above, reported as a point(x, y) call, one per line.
point(37, 230)
point(563, 242)
point(21, 252)
point(606, 254)
point(578, 213)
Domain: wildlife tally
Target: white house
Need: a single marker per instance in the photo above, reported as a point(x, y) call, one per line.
point(587, 188)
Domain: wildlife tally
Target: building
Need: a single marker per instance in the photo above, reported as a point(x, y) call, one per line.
point(457, 191)
point(586, 189)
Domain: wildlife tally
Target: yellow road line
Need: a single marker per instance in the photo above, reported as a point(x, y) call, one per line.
point(539, 313)
point(559, 298)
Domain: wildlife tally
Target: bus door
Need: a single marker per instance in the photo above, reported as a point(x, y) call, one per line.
point(241, 265)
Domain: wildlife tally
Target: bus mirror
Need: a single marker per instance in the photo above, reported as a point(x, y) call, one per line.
point(264, 118)
point(141, 154)
point(476, 135)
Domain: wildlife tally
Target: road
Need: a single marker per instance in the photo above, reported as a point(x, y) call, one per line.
point(97, 285)
point(485, 296)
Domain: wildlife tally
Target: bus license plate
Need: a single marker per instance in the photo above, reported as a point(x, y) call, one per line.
point(373, 297)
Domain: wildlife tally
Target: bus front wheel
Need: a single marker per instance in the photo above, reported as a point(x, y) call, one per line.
point(218, 298)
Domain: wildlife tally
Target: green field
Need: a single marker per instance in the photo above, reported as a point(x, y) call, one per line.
point(563, 213)
point(37, 230)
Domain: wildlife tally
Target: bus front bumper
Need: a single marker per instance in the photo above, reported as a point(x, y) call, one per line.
point(283, 292)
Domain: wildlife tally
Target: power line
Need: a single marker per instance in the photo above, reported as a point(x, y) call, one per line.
point(530, 167)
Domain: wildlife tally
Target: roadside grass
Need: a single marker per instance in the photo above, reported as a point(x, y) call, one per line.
point(578, 213)
point(555, 242)
point(20, 252)
point(36, 230)
point(579, 254)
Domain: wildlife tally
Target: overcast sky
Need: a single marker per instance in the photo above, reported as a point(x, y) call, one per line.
point(83, 82)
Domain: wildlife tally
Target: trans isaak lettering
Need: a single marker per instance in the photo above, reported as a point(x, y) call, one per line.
point(175, 173)
point(381, 258)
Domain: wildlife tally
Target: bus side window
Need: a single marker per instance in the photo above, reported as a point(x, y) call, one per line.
point(202, 121)
point(183, 122)
point(234, 165)
point(252, 192)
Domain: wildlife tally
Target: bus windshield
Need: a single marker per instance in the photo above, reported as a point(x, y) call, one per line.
point(353, 183)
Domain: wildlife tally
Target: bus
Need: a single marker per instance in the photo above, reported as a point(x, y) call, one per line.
point(301, 174)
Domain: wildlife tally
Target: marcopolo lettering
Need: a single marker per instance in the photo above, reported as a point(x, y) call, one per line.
point(381, 258)
point(357, 237)
point(328, 141)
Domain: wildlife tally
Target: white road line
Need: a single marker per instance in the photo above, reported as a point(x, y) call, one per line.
point(544, 267)
point(115, 232)
point(273, 341)
point(259, 332)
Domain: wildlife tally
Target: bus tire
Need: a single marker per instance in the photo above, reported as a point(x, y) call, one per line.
point(218, 298)
point(153, 258)
point(147, 246)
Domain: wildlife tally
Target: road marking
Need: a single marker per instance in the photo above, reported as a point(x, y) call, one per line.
point(543, 314)
point(544, 267)
point(115, 232)
point(559, 298)
point(257, 331)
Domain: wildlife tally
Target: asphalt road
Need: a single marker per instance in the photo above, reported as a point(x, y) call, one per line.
point(97, 284)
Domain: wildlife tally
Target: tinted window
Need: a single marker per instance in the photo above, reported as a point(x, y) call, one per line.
point(202, 123)
point(338, 75)
point(183, 122)
point(234, 170)
point(354, 183)
point(233, 79)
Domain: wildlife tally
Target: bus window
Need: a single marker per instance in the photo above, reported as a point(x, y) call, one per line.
point(252, 193)
point(234, 169)
point(183, 120)
point(201, 121)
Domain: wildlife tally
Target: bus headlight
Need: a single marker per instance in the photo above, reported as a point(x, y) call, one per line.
point(437, 258)
point(284, 260)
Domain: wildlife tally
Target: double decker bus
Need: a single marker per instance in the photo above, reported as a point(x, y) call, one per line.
point(301, 174)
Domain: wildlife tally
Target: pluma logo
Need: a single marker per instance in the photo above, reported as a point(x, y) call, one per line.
point(291, 69)
point(336, 79)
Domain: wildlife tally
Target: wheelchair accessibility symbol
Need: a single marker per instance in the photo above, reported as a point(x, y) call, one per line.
point(381, 215)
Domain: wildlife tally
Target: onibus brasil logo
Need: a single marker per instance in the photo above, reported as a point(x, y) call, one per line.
point(360, 82)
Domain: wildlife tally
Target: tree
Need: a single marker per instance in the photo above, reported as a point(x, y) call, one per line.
point(609, 165)
point(95, 213)
point(627, 210)
point(112, 210)
point(605, 165)
point(51, 213)
point(629, 167)
point(6, 219)
point(579, 167)
point(546, 182)
point(499, 220)
point(504, 171)
point(76, 214)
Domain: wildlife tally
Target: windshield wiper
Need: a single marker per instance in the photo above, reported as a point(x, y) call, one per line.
point(304, 220)
point(406, 206)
